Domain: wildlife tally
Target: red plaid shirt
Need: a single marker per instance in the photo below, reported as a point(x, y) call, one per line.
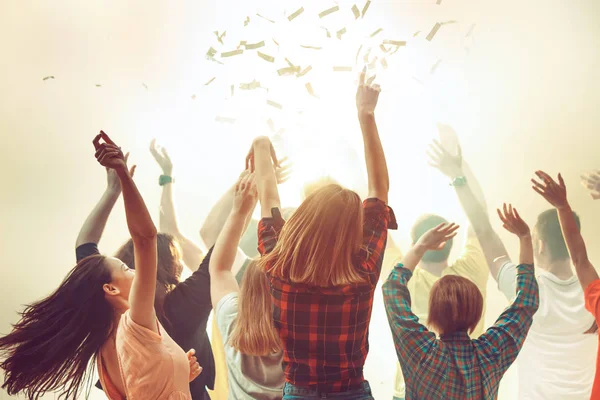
point(325, 330)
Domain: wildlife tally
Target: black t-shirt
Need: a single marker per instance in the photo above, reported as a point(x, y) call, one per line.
point(187, 308)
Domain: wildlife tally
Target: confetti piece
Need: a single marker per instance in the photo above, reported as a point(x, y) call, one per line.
point(384, 63)
point(270, 20)
point(470, 31)
point(288, 71)
point(220, 37)
point(289, 62)
point(310, 90)
point(304, 72)
point(366, 56)
point(370, 80)
point(193, 97)
point(395, 42)
point(232, 89)
point(250, 86)
point(373, 63)
point(438, 2)
point(273, 104)
point(449, 22)
point(434, 30)
point(311, 47)
point(355, 11)
point(246, 21)
point(266, 57)
point(275, 41)
point(271, 125)
point(329, 11)
point(211, 52)
point(98, 85)
point(340, 33)
point(210, 81)
point(376, 32)
point(253, 46)
point(242, 43)
point(357, 54)
point(416, 33)
point(366, 7)
point(296, 14)
point(225, 120)
point(342, 69)
point(383, 48)
point(435, 66)
point(232, 53)
point(144, 85)
point(48, 77)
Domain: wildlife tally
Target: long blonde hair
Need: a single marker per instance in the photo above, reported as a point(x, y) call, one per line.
point(318, 243)
point(253, 332)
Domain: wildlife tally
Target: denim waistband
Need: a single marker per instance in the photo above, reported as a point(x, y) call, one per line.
point(290, 389)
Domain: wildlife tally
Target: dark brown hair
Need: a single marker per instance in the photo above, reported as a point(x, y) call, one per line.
point(51, 347)
point(455, 304)
point(168, 271)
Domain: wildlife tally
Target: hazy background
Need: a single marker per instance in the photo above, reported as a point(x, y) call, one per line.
point(523, 97)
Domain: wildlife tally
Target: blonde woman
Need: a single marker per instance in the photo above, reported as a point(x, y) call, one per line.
point(252, 347)
point(323, 265)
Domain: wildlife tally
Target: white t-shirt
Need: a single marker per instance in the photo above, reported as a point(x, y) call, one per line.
point(249, 377)
point(557, 360)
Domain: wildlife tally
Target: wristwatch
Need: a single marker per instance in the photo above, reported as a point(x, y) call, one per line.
point(459, 181)
point(164, 179)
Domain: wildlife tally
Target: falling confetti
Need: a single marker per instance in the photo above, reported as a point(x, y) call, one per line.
point(376, 32)
point(329, 11)
point(98, 85)
point(342, 69)
point(435, 66)
point(291, 64)
point(438, 2)
point(470, 31)
point(144, 85)
point(416, 33)
point(310, 90)
point(288, 71)
point(270, 20)
point(296, 14)
point(434, 30)
point(395, 42)
point(355, 11)
point(221, 36)
point(250, 86)
point(340, 33)
point(311, 47)
point(48, 77)
point(210, 81)
point(232, 53)
point(384, 63)
point(225, 120)
point(252, 46)
point(246, 21)
point(274, 104)
point(383, 48)
point(366, 7)
point(266, 57)
point(304, 72)
point(275, 41)
point(357, 54)
point(211, 53)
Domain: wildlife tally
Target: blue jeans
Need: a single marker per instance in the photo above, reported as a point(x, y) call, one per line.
point(291, 392)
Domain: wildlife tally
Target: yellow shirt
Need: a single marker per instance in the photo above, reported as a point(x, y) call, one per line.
point(471, 265)
point(221, 385)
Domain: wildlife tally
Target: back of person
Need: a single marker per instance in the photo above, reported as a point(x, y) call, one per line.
point(556, 357)
point(152, 366)
point(256, 377)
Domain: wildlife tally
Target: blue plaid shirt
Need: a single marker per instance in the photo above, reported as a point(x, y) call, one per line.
point(455, 367)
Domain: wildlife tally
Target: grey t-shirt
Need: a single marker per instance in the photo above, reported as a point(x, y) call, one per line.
point(250, 377)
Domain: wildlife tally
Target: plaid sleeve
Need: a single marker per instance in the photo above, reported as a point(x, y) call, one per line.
point(377, 219)
point(503, 341)
point(268, 231)
point(411, 339)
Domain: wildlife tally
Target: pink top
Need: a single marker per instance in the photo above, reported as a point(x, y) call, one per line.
point(152, 365)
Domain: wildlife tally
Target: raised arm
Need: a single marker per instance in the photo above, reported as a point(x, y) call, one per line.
point(143, 233)
point(222, 278)
point(262, 160)
point(556, 194)
point(434, 239)
point(513, 223)
point(191, 252)
point(377, 173)
point(452, 166)
point(591, 181)
point(93, 227)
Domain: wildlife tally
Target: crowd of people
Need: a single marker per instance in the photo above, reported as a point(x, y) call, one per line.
point(293, 321)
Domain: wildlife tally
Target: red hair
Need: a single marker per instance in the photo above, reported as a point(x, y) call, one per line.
point(455, 304)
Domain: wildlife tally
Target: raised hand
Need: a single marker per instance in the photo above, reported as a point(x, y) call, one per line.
point(162, 158)
point(113, 183)
point(450, 165)
point(245, 194)
point(195, 368)
point(250, 156)
point(436, 238)
point(591, 181)
point(366, 95)
point(108, 153)
point(554, 193)
point(283, 171)
point(513, 222)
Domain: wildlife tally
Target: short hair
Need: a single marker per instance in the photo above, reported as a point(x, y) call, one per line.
point(455, 304)
point(548, 231)
point(425, 223)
